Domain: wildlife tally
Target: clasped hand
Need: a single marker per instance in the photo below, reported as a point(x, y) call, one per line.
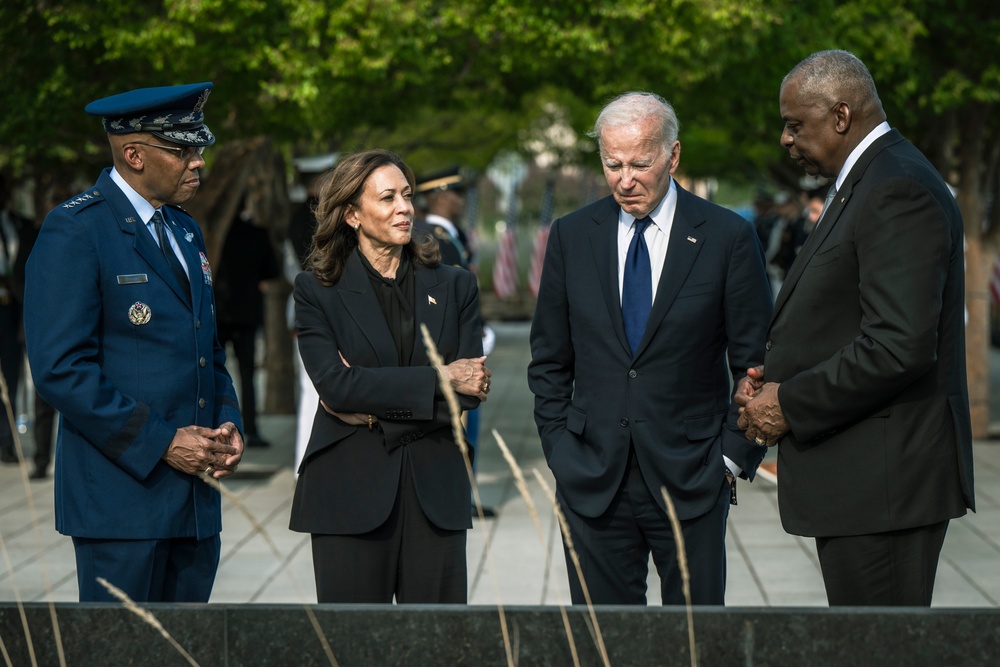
point(213, 451)
point(760, 411)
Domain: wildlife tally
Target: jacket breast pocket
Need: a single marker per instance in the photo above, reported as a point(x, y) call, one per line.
point(697, 290)
point(825, 257)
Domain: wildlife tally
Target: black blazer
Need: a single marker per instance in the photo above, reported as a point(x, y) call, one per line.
point(349, 475)
point(868, 341)
point(673, 399)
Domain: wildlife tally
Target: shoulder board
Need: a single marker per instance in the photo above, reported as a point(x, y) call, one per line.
point(81, 201)
point(441, 233)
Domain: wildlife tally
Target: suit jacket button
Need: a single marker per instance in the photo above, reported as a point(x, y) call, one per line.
point(624, 422)
point(202, 362)
point(201, 402)
point(767, 346)
point(632, 374)
point(197, 324)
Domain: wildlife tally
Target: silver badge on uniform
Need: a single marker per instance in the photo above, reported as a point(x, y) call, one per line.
point(139, 313)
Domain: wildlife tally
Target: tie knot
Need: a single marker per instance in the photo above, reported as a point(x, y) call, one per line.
point(641, 224)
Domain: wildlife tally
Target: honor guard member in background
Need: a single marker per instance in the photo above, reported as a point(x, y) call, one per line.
point(120, 330)
point(444, 193)
point(297, 248)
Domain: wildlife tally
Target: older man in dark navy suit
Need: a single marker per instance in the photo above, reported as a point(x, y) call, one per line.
point(645, 296)
point(120, 329)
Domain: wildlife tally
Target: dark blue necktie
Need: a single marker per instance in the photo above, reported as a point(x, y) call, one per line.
point(637, 288)
point(168, 253)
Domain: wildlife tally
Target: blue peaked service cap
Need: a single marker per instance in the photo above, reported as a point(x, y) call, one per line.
point(173, 113)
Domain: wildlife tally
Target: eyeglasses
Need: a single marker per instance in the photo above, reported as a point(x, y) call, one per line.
point(186, 154)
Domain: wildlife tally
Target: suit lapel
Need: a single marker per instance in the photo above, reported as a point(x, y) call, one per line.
point(355, 291)
point(142, 241)
point(431, 302)
point(683, 247)
point(831, 217)
point(189, 251)
point(604, 244)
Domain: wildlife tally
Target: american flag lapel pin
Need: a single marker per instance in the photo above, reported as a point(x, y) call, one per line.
point(692, 239)
point(431, 300)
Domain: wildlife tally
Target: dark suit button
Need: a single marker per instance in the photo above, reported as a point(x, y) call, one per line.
point(202, 362)
point(201, 402)
point(624, 422)
point(197, 324)
point(767, 346)
point(632, 374)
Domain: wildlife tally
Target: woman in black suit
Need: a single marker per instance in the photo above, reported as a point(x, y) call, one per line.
point(383, 487)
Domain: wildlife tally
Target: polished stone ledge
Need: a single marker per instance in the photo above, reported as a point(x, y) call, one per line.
point(223, 635)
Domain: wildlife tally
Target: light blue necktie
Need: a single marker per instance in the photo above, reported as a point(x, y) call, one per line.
point(637, 288)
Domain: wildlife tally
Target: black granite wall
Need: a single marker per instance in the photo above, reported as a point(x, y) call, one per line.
point(275, 635)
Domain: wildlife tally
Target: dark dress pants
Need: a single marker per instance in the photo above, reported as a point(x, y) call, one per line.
point(180, 569)
point(614, 548)
point(886, 569)
point(407, 557)
point(11, 361)
point(244, 340)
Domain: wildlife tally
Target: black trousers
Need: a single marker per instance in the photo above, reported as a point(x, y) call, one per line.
point(407, 557)
point(244, 340)
point(886, 569)
point(11, 362)
point(614, 548)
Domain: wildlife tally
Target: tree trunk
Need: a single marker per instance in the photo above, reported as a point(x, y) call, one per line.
point(978, 263)
point(281, 385)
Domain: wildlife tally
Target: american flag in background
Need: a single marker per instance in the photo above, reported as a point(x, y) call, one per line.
point(542, 236)
point(505, 267)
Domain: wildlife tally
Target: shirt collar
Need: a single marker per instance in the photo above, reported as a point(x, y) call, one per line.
point(661, 216)
point(141, 206)
point(880, 129)
point(449, 226)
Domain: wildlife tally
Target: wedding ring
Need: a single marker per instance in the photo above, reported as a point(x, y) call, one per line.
point(760, 441)
point(209, 470)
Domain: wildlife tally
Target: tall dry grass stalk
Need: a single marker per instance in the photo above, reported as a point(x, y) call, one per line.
point(522, 488)
point(259, 529)
point(456, 424)
point(146, 616)
point(575, 557)
point(26, 485)
point(682, 563)
point(322, 637)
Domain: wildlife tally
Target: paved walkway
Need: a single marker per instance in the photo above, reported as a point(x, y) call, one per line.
point(262, 561)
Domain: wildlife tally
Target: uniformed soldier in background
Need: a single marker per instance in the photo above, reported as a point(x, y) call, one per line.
point(444, 196)
point(120, 330)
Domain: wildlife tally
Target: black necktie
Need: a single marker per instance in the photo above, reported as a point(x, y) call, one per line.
point(637, 287)
point(168, 252)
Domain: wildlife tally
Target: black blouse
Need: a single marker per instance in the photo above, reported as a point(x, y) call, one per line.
point(395, 296)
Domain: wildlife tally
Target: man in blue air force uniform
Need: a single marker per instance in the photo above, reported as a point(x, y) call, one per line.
point(119, 320)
